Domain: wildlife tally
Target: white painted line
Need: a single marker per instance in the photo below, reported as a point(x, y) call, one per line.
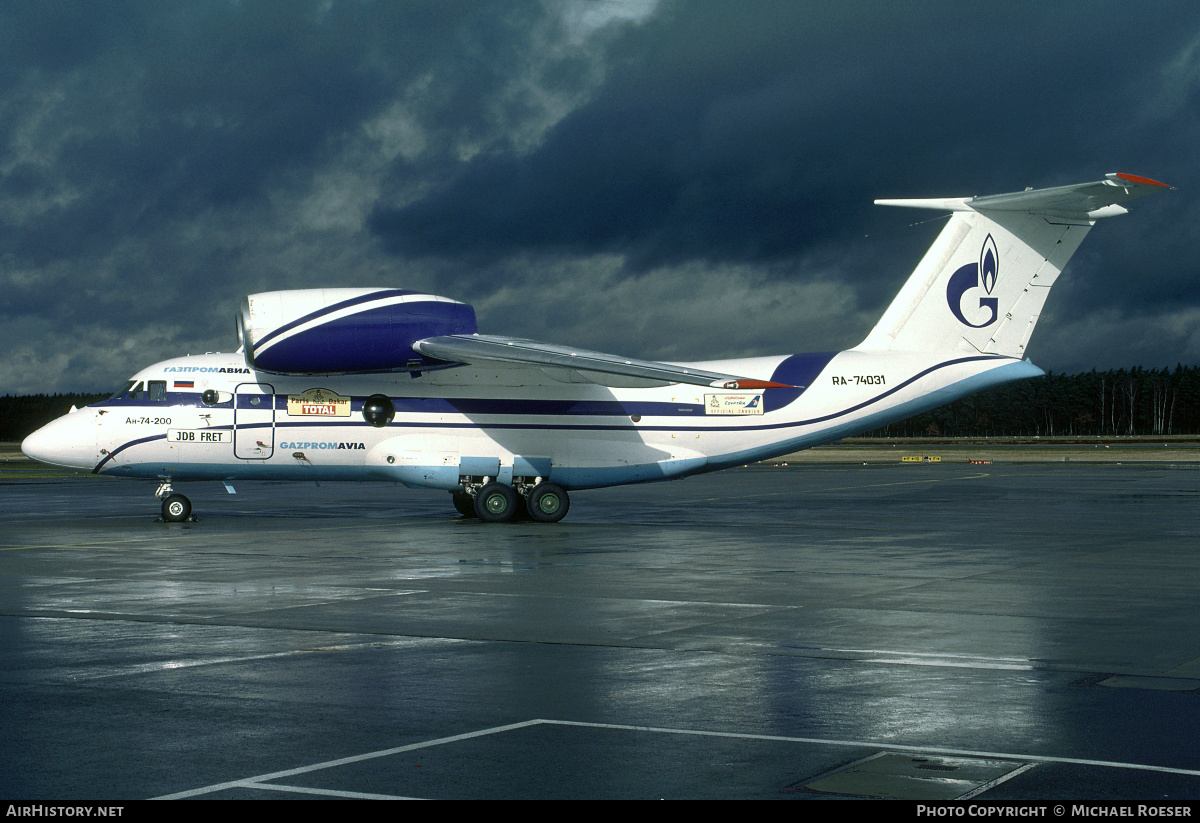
point(991, 784)
point(261, 781)
point(934, 655)
point(280, 787)
point(1029, 758)
point(946, 659)
point(172, 665)
point(358, 758)
point(942, 662)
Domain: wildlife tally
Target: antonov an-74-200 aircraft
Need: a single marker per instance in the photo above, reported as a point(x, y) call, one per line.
point(356, 384)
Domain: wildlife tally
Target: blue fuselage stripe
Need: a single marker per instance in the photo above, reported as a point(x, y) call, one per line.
point(535, 408)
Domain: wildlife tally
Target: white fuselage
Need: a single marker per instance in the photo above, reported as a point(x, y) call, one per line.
point(494, 422)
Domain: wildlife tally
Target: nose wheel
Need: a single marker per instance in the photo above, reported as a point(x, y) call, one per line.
point(175, 507)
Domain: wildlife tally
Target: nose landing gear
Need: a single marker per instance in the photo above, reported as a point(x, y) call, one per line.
point(175, 507)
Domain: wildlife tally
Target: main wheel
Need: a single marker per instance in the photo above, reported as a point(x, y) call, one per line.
point(495, 502)
point(176, 508)
point(547, 503)
point(464, 504)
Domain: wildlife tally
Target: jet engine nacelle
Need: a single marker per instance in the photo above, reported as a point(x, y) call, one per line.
point(325, 331)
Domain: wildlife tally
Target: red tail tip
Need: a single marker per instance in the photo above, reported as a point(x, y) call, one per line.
point(1133, 178)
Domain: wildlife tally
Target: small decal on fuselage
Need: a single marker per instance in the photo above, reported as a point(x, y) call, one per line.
point(859, 380)
point(206, 369)
point(328, 445)
point(733, 404)
point(199, 436)
point(319, 403)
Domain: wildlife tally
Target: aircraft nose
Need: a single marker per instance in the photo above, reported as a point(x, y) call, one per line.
point(68, 441)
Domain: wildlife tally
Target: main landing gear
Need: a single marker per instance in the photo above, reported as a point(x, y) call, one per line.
point(495, 502)
point(175, 507)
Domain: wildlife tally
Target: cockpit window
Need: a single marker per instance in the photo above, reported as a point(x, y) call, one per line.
point(155, 391)
point(121, 391)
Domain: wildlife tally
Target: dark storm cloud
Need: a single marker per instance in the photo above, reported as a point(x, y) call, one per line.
point(180, 108)
point(757, 134)
point(125, 127)
point(639, 167)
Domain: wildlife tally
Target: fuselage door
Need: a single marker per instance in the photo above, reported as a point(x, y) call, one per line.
point(254, 421)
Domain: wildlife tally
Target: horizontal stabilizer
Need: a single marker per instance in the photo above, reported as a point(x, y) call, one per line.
point(1081, 200)
point(474, 348)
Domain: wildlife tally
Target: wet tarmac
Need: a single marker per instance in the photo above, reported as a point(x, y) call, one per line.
point(923, 631)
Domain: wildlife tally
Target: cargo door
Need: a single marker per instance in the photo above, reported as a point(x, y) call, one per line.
point(254, 421)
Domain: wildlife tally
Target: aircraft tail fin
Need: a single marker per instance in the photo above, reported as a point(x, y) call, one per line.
point(983, 282)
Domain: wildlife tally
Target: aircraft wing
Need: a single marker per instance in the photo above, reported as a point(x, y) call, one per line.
point(582, 365)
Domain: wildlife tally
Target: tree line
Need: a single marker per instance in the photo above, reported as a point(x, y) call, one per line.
point(1114, 403)
point(22, 415)
point(1118, 402)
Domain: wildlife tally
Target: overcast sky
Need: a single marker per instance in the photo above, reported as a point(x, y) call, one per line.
point(673, 180)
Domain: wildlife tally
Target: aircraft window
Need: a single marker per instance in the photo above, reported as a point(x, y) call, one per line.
point(121, 391)
point(137, 392)
point(158, 391)
point(209, 397)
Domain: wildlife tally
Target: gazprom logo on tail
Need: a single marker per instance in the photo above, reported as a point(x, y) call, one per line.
point(972, 278)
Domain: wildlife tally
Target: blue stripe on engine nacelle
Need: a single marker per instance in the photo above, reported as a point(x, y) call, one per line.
point(374, 340)
point(336, 307)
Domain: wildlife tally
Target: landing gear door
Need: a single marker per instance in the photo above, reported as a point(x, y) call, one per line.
point(254, 421)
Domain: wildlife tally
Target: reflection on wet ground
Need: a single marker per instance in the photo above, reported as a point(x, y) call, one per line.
point(924, 631)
